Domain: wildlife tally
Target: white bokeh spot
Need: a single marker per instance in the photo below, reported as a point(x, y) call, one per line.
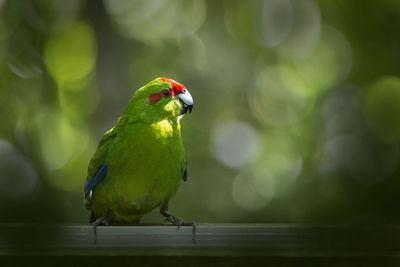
point(235, 143)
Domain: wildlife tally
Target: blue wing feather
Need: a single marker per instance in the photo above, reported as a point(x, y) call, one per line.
point(91, 183)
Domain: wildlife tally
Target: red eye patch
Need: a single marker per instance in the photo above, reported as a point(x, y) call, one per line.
point(154, 98)
point(177, 88)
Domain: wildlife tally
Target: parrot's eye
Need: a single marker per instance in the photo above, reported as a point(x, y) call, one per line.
point(166, 93)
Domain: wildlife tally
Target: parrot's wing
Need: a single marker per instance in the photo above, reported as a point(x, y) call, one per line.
point(100, 155)
point(97, 170)
point(92, 182)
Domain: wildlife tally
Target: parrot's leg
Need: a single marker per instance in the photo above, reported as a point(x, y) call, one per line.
point(103, 220)
point(177, 221)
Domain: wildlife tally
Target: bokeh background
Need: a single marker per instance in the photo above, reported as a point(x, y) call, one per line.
point(296, 117)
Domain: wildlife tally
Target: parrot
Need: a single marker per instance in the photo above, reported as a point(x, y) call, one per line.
point(140, 162)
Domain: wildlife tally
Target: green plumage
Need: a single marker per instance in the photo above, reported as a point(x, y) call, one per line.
point(145, 157)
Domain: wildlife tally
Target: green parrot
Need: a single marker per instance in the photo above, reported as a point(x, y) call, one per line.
point(139, 163)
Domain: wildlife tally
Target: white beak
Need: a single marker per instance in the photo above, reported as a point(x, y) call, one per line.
point(186, 100)
point(186, 97)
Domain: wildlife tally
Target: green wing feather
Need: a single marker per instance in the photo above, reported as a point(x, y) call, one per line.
point(104, 146)
point(100, 155)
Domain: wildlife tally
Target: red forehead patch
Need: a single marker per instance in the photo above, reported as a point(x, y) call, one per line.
point(178, 88)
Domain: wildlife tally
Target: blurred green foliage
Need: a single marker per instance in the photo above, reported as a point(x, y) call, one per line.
point(297, 104)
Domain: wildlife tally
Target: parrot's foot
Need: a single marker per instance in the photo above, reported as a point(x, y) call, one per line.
point(103, 220)
point(178, 222)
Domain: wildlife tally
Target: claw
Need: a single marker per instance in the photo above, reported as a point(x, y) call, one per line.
point(100, 221)
point(178, 222)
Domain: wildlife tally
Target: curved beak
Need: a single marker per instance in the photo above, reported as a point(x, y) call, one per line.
point(186, 99)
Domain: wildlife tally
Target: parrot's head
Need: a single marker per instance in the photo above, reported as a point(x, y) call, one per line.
point(164, 97)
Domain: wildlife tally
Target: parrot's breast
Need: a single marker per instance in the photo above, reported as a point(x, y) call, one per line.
point(145, 165)
point(163, 129)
